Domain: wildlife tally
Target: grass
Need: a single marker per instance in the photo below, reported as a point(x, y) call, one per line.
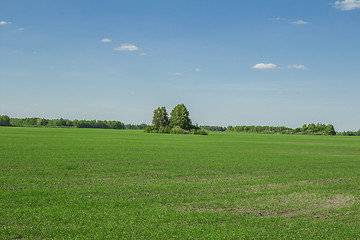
point(92, 183)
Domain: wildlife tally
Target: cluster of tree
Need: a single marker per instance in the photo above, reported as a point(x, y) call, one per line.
point(98, 124)
point(4, 120)
point(30, 122)
point(141, 126)
point(318, 129)
point(214, 128)
point(42, 122)
point(260, 129)
point(178, 123)
point(350, 133)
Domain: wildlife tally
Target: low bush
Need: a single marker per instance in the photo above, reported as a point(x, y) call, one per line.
point(179, 130)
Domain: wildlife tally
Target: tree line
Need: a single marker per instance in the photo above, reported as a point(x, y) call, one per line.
point(43, 122)
point(350, 133)
point(178, 123)
point(311, 128)
point(314, 129)
point(213, 128)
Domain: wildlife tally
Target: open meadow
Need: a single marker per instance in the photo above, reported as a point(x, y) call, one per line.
point(94, 183)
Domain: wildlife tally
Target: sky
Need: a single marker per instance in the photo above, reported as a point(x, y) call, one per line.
point(259, 62)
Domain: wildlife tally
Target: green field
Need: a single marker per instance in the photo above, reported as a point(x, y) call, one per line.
point(93, 183)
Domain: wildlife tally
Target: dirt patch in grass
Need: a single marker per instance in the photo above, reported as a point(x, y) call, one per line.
point(345, 155)
point(285, 205)
point(339, 201)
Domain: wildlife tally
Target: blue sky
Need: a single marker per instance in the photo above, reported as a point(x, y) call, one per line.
point(260, 62)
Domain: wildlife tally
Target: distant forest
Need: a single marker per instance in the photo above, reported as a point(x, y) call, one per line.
point(313, 129)
point(43, 122)
point(306, 129)
point(320, 129)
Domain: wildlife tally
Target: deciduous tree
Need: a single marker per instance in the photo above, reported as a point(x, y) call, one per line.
point(180, 117)
point(4, 120)
point(160, 119)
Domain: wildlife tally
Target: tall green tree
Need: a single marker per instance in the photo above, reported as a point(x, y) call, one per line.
point(161, 118)
point(180, 117)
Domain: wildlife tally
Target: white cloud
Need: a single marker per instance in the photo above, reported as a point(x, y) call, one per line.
point(300, 22)
point(177, 74)
point(106, 40)
point(295, 66)
point(21, 29)
point(263, 66)
point(347, 5)
point(197, 69)
point(277, 19)
point(127, 47)
point(4, 23)
point(143, 54)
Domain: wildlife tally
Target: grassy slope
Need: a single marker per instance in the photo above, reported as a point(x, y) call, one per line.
point(71, 183)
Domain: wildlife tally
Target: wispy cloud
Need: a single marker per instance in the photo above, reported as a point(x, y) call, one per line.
point(300, 22)
point(21, 29)
point(197, 69)
point(277, 19)
point(106, 40)
point(143, 54)
point(127, 47)
point(263, 66)
point(347, 5)
point(295, 66)
point(177, 74)
point(5, 22)
point(297, 22)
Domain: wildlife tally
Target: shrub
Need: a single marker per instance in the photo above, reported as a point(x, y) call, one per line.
point(163, 130)
point(179, 130)
point(199, 132)
point(148, 129)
